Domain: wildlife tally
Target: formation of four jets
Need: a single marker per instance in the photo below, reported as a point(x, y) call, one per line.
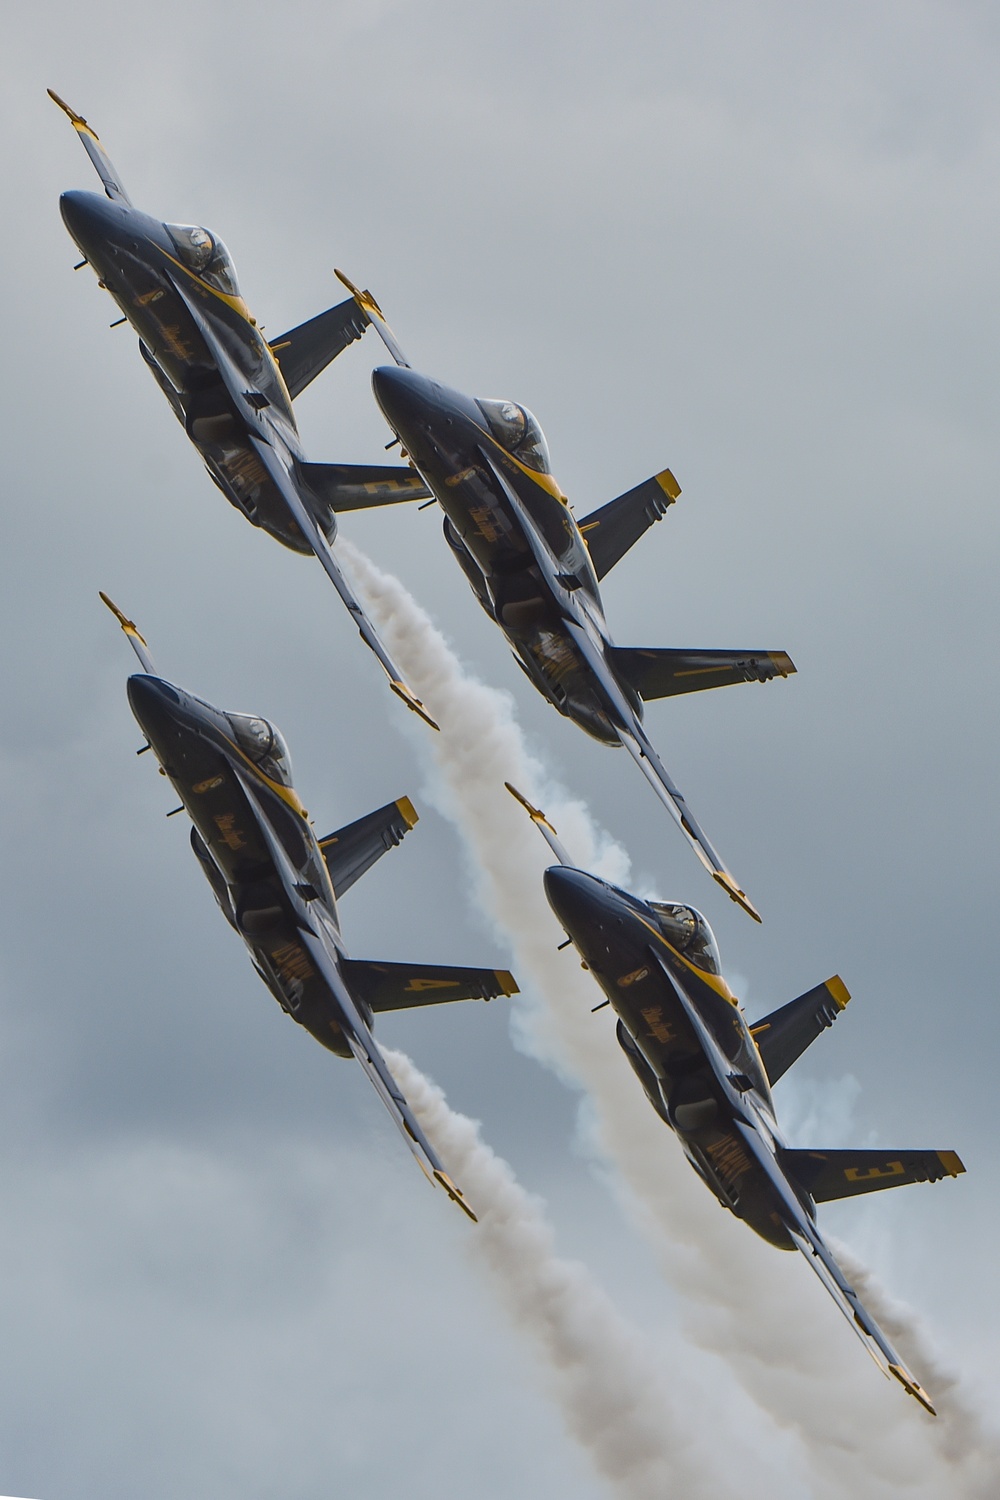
point(536, 571)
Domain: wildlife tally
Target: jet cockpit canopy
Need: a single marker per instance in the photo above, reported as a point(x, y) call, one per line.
point(686, 930)
point(516, 429)
point(205, 255)
point(264, 745)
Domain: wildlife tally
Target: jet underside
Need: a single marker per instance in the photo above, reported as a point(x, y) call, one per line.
point(237, 861)
point(125, 249)
point(624, 952)
point(489, 541)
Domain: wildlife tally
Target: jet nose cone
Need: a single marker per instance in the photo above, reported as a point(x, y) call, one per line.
point(152, 701)
point(398, 392)
point(572, 895)
point(79, 214)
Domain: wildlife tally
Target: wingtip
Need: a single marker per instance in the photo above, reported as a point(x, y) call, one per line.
point(534, 813)
point(732, 890)
point(913, 1388)
point(408, 812)
point(129, 626)
point(77, 121)
point(454, 1193)
point(413, 702)
point(838, 990)
point(508, 984)
point(782, 663)
point(364, 299)
point(66, 109)
point(668, 484)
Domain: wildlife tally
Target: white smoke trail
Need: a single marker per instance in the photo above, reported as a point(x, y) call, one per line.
point(792, 1354)
point(609, 1388)
point(969, 1447)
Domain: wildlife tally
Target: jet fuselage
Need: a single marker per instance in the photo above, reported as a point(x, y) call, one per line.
point(197, 750)
point(447, 437)
point(620, 938)
point(138, 261)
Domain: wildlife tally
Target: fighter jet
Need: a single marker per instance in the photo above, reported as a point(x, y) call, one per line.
point(535, 569)
point(278, 885)
point(232, 389)
point(708, 1073)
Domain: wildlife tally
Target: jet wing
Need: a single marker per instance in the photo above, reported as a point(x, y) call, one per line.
point(310, 530)
point(826, 1175)
point(634, 738)
point(542, 823)
point(96, 152)
point(810, 1242)
point(319, 941)
point(136, 640)
point(630, 732)
point(284, 481)
point(796, 1220)
point(664, 672)
point(360, 486)
point(376, 317)
point(386, 986)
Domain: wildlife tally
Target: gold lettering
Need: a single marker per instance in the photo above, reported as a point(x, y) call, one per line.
point(868, 1174)
point(659, 1027)
point(481, 518)
point(728, 1157)
point(230, 835)
point(291, 962)
point(632, 978)
point(207, 786)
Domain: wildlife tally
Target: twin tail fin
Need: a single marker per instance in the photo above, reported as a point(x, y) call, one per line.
point(352, 850)
point(784, 1035)
point(617, 526)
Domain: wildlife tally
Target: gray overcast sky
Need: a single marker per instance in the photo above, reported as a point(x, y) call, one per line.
point(756, 243)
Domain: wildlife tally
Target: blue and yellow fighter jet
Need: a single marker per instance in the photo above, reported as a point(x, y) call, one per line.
point(535, 569)
point(278, 885)
point(708, 1073)
point(230, 388)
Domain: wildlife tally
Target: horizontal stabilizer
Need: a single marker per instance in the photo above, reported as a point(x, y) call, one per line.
point(844, 1174)
point(303, 352)
point(662, 672)
point(785, 1034)
point(617, 526)
point(358, 486)
point(403, 986)
point(351, 851)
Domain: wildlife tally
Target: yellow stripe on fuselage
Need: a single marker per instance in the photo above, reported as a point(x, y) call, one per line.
point(288, 794)
point(236, 303)
point(714, 981)
point(545, 482)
